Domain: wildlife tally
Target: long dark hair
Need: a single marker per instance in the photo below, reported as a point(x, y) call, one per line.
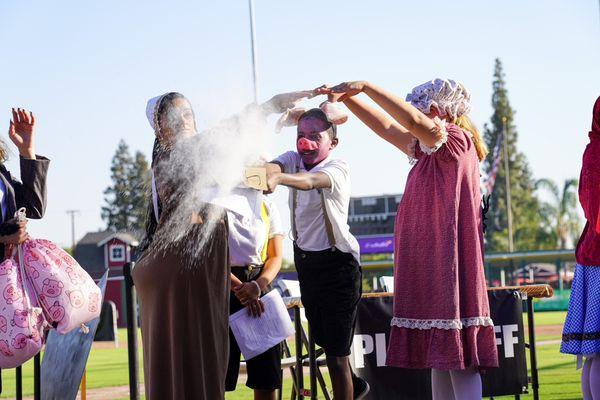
point(3, 151)
point(158, 150)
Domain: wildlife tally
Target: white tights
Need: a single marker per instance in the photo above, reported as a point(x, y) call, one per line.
point(456, 385)
point(590, 379)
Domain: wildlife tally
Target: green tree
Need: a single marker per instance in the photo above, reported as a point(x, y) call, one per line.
point(527, 219)
point(126, 198)
point(139, 183)
point(560, 211)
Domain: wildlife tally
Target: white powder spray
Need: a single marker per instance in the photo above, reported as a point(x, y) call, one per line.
point(200, 169)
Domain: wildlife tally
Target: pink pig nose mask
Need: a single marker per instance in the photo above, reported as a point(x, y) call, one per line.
point(323, 120)
point(305, 145)
point(313, 149)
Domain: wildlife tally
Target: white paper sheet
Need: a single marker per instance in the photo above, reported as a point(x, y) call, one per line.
point(257, 335)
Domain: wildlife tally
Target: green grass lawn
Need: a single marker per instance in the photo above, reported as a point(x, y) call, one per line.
point(558, 377)
point(543, 318)
point(108, 367)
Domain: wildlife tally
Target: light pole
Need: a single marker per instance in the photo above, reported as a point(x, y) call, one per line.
point(73, 213)
point(253, 44)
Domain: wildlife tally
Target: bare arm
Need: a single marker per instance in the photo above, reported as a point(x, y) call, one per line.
point(235, 282)
point(248, 293)
point(419, 125)
point(382, 124)
point(273, 263)
point(300, 180)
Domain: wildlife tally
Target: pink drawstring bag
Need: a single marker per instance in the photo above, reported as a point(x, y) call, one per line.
point(68, 295)
point(22, 323)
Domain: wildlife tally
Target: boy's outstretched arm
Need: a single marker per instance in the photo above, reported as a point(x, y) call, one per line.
point(300, 180)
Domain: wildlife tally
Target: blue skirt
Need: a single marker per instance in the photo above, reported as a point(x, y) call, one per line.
point(581, 333)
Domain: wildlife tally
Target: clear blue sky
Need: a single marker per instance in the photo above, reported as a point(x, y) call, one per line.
point(87, 69)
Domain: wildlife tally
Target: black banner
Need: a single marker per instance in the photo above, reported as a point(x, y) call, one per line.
point(369, 353)
point(370, 346)
point(506, 308)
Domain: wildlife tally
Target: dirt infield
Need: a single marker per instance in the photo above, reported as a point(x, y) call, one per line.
point(547, 330)
point(108, 393)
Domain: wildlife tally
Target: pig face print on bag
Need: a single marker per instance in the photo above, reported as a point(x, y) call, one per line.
point(21, 323)
point(12, 293)
point(32, 272)
point(93, 302)
point(5, 348)
point(20, 341)
point(75, 276)
point(76, 298)
point(64, 289)
point(6, 269)
point(52, 287)
point(57, 312)
point(20, 319)
point(54, 259)
point(68, 260)
point(47, 244)
point(31, 258)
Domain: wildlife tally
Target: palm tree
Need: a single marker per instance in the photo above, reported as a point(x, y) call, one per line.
point(561, 210)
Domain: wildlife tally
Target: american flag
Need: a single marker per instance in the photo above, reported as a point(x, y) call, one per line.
point(497, 155)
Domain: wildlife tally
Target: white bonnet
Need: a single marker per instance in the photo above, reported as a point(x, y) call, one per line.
point(152, 111)
point(449, 97)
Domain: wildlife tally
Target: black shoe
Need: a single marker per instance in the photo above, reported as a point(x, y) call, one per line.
point(361, 387)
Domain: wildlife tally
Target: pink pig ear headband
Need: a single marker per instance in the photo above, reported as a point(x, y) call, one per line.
point(332, 113)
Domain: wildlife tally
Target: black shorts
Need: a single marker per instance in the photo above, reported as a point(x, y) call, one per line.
point(331, 287)
point(264, 370)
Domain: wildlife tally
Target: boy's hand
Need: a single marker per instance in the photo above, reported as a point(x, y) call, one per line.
point(273, 180)
point(281, 102)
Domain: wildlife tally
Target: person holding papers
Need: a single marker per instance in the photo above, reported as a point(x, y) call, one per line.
point(255, 255)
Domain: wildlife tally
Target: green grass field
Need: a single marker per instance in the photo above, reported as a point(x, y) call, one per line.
point(107, 367)
point(548, 318)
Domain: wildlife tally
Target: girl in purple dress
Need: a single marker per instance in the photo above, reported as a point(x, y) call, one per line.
point(441, 311)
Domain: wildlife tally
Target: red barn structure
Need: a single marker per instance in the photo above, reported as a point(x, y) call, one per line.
point(98, 251)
